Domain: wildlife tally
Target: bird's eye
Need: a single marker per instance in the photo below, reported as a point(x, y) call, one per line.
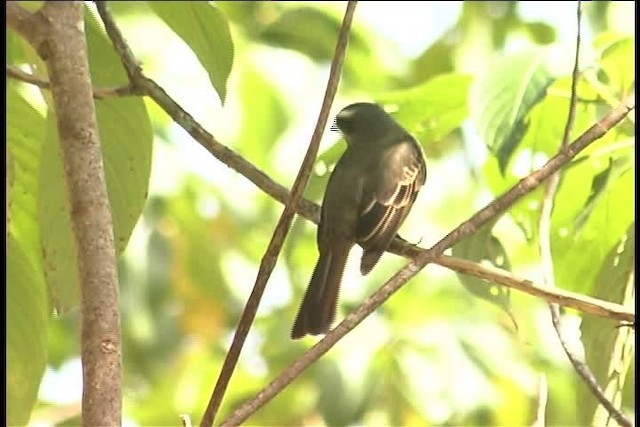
point(344, 124)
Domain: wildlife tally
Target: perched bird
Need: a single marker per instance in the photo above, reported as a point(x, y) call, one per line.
point(368, 196)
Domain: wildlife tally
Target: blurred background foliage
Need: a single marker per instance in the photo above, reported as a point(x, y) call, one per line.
point(485, 86)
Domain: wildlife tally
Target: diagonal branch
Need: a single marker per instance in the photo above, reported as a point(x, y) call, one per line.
point(491, 211)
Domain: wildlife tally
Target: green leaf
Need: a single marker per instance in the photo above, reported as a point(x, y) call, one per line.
point(526, 211)
point(308, 30)
point(59, 248)
point(32, 6)
point(599, 186)
point(10, 186)
point(618, 64)
point(432, 110)
point(312, 29)
point(435, 60)
point(542, 140)
point(548, 119)
point(27, 321)
point(195, 249)
point(340, 401)
point(503, 97)
point(15, 54)
point(27, 308)
point(126, 137)
point(262, 106)
point(204, 28)
point(483, 246)
point(540, 32)
point(25, 131)
point(609, 350)
point(590, 219)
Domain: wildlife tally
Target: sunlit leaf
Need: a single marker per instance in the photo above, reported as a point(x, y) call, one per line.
point(308, 30)
point(184, 389)
point(15, 55)
point(542, 140)
point(204, 28)
point(497, 17)
point(433, 109)
point(548, 118)
point(502, 98)
point(125, 136)
point(27, 322)
point(483, 246)
point(312, 30)
point(324, 166)
point(197, 275)
point(601, 181)
point(618, 64)
point(541, 32)
point(435, 60)
point(340, 400)
point(602, 224)
point(25, 130)
point(9, 186)
point(59, 247)
point(264, 116)
point(609, 350)
point(32, 6)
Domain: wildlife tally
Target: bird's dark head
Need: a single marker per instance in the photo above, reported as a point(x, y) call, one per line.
point(364, 120)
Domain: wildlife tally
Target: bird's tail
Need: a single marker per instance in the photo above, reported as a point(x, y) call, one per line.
point(318, 307)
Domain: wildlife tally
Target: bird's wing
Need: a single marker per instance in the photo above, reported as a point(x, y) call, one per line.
point(388, 197)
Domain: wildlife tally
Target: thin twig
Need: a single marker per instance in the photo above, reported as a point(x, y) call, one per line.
point(18, 74)
point(546, 211)
point(491, 211)
point(275, 245)
point(98, 92)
